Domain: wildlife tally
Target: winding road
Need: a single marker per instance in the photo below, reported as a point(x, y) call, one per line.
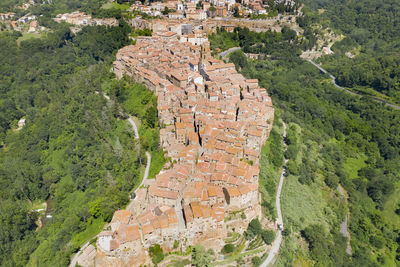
point(278, 240)
point(227, 52)
point(224, 54)
point(74, 261)
point(377, 99)
point(134, 127)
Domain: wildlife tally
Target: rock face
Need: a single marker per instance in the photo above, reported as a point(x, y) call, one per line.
point(214, 124)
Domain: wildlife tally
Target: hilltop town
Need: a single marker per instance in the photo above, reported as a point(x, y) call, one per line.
point(177, 133)
point(214, 124)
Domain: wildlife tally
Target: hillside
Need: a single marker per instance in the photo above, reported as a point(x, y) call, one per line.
point(367, 58)
point(74, 152)
point(334, 138)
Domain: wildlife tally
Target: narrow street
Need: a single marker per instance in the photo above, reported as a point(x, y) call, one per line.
point(278, 240)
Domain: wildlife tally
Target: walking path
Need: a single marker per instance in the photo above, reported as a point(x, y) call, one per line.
point(278, 240)
point(377, 99)
point(135, 129)
point(344, 225)
point(146, 174)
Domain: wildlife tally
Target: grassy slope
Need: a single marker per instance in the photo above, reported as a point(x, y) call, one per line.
point(28, 35)
point(116, 5)
point(392, 204)
point(353, 165)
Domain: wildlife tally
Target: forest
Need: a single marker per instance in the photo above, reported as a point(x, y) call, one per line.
point(334, 138)
point(368, 58)
point(76, 151)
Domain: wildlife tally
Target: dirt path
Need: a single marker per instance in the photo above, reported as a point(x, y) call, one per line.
point(278, 240)
point(344, 225)
point(145, 176)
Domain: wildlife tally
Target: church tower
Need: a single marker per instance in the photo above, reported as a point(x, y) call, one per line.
point(205, 54)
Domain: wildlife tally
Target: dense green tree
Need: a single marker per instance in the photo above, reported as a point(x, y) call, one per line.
point(156, 253)
point(253, 229)
point(337, 129)
point(268, 236)
point(228, 248)
point(201, 257)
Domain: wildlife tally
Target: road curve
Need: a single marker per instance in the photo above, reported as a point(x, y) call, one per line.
point(278, 240)
point(146, 174)
point(227, 52)
point(377, 99)
point(75, 259)
point(134, 127)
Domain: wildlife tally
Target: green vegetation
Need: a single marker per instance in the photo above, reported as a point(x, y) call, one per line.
point(372, 33)
point(176, 244)
point(75, 150)
point(255, 243)
point(156, 253)
point(256, 261)
point(333, 138)
point(271, 161)
point(228, 248)
point(268, 236)
point(253, 229)
point(141, 103)
point(115, 5)
point(277, 45)
point(26, 36)
point(144, 32)
point(93, 227)
point(201, 257)
point(235, 236)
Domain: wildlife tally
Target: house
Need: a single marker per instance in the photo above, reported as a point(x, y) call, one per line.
point(106, 242)
point(220, 11)
point(33, 26)
point(214, 123)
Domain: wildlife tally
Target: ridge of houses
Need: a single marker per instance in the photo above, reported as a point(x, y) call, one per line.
point(82, 19)
point(201, 10)
point(214, 124)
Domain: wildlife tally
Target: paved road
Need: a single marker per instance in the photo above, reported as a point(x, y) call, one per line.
point(75, 259)
point(134, 127)
point(377, 99)
point(230, 50)
point(278, 240)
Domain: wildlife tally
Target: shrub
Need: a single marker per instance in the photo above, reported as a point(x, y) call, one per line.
point(256, 261)
point(253, 229)
point(268, 236)
point(332, 181)
point(228, 248)
point(377, 241)
point(156, 253)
